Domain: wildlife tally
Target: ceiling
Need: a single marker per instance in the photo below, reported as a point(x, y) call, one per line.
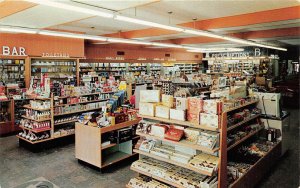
point(224, 17)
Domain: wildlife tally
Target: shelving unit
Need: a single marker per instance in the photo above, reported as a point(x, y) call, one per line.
point(53, 126)
point(56, 68)
point(12, 71)
point(183, 123)
point(88, 147)
point(221, 151)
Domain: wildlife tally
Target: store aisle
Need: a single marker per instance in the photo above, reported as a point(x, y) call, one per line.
point(59, 166)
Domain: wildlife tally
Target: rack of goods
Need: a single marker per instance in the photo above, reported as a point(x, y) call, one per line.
point(37, 122)
point(189, 142)
point(102, 69)
point(56, 69)
point(12, 72)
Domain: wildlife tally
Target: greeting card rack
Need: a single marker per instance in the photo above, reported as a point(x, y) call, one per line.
point(249, 179)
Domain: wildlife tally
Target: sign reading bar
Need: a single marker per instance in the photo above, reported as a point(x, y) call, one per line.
point(14, 51)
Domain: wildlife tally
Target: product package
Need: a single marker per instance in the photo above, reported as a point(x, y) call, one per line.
point(195, 104)
point(174, 134)
point(181, 103)
point(167, 100)
point(147, 109)
point(158, 130)
point(191, 134)
point(212, 106)
point(150, 96)
point(147, 145)
point(193, 117)
point(162, 111)
point(178, 114)
point(211, 120)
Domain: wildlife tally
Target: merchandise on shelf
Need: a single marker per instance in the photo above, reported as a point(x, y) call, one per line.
point(33, 114)
point(34, 137)
point(171, 173)
point(12, 72)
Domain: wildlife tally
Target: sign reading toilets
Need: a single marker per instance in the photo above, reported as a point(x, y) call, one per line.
point(13, 51)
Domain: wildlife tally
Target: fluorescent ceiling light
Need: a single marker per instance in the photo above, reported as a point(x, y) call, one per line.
point(202, 33)
point(72, 35)
point(166, 45)
point(72, 8)
point(18, 30)
point(212, 50)
point(148, 23)
point(128, 41)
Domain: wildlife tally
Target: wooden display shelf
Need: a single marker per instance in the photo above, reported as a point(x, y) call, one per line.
point(41, 120)
point(115, 157)
point(63, 97)
point(108, 146)
point(182, 143)
point(82, 102)
point(86, 110)
point(65, 122)
point(119, 126)
point(36, 130)
point(250, 178)
point(88, 146)
point(96, 93)
point(156, 177)
point(38, 98)
point(34, 142)
point(242, 122)
point(44, 140)
point(178, 122)
point(241, 106)
point(187, 166)
point(37, 109)
point(243, 139)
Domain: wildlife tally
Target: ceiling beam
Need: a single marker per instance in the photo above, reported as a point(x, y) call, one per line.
point(283, 14)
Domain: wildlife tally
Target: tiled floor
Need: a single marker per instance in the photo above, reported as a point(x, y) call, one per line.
point(18, 165)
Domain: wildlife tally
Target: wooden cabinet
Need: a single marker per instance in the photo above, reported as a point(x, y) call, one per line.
point(88, 147)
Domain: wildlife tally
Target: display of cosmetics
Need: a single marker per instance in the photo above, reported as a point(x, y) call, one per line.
point(34, 125)
point(34, 137)
point(146, 182)
point(75, 108)
point(173, 173)
point(37, 115)
point(57, 63)
point(66, 119)
point(235, 136)
point(40, 104)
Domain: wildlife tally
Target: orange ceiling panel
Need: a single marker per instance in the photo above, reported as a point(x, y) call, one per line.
point(9, 7)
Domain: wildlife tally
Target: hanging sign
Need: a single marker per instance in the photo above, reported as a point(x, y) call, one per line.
point(13, 51)
point(249, 52)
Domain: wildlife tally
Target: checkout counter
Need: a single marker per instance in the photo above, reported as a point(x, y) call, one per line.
point(273, 117)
